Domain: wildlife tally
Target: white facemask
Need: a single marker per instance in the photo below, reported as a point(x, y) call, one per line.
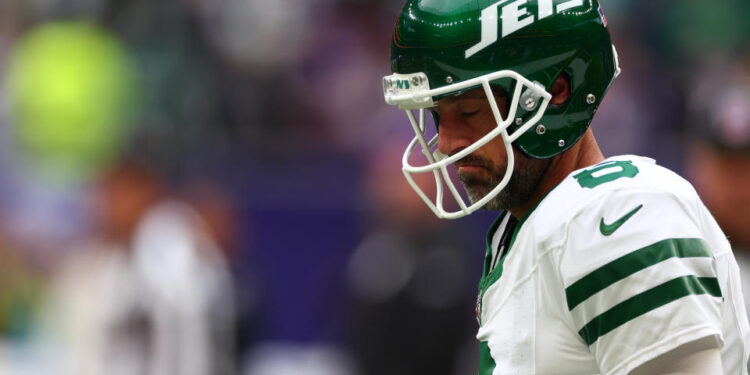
point(412, 92)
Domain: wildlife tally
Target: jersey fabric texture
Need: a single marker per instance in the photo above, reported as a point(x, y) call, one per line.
point(619, 263)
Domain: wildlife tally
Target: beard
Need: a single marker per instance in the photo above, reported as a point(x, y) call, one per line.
point(523, 183)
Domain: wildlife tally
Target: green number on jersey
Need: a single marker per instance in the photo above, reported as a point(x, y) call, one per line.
point(606, 172)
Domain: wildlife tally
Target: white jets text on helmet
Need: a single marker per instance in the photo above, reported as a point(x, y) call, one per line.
point(515, 17)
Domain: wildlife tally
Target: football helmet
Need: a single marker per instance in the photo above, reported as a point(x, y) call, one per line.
point(446, 47)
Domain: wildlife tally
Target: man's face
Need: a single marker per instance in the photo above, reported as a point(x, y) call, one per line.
point(464, 119)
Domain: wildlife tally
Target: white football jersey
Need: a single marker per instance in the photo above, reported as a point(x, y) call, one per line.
point(619, 263)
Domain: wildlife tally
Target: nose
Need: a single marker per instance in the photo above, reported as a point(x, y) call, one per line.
point(453, 135)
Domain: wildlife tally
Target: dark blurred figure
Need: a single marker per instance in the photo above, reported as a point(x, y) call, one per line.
point(718, 159)
point(22, 288)
point(219, 210)
point(410, 282)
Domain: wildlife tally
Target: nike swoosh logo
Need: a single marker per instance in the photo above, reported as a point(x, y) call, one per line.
point(608, 229)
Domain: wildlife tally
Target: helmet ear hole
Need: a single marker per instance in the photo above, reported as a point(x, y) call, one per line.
point(560, 90)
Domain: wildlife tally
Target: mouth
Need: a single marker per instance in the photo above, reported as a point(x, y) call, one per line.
point(472, 164)
point(470, 168)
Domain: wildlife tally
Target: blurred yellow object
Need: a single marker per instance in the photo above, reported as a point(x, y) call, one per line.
point(72, 90)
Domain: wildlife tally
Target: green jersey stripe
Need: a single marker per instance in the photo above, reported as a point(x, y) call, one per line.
point(649, 300)
point(486, 362)
point(638, 283)
point(631, 263)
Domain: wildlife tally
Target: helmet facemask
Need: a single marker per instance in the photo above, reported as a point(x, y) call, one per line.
point(411, 92)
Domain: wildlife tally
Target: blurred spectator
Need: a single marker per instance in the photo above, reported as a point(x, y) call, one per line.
point(410, 282)
point(718, 158)
point(150, 293)
point(22, 292)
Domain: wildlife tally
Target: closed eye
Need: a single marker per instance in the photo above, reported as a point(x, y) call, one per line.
point(469, 114)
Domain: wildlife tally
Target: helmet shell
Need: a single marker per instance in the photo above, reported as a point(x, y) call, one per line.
point(433, 36)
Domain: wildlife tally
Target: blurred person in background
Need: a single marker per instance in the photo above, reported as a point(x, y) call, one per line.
point(718, 157)
point(97, 304)
point(150, 293)
point(409, 281)
point(23, 290)
point(148, 290)
point(570, 284)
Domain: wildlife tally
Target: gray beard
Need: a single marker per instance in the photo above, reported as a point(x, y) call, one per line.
point(523, 183)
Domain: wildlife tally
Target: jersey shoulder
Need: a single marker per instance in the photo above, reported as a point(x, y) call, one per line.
point(603, 212)
point(610, 190)
point(630, 245)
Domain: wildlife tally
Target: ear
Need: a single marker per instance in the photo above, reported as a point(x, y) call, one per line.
point(560, 89)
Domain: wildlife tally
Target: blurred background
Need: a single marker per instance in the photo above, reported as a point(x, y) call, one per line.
point(214, 186)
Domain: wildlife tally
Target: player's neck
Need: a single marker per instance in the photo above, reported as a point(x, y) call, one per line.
point(584, 153)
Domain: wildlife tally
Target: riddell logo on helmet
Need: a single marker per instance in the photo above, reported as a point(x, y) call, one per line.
point(514, 17)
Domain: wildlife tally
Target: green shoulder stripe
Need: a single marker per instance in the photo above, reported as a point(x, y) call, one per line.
point(647, 301)
point(486, 362)
point(631, 263)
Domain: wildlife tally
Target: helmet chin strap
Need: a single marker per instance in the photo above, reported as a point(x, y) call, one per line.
point(438, 162)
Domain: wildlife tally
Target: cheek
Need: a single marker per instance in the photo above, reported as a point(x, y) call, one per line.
point(495, 151)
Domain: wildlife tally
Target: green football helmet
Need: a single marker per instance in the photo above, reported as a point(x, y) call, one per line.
point(446, 47)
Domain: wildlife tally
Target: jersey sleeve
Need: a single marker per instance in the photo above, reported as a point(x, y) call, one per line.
point(641, 281)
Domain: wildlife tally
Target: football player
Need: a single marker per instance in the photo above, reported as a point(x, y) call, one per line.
point(594, 265)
